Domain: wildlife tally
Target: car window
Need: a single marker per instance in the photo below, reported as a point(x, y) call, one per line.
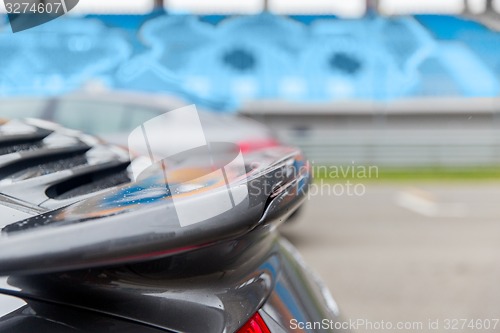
point(102, 118)
point(139, 115)
point(22, 109)
point(91, 117)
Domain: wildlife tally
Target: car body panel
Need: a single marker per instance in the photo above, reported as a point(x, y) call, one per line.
point(27, 315)
point(119, 254)
point(264, 274)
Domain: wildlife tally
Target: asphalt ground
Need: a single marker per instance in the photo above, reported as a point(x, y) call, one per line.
point(406, 254)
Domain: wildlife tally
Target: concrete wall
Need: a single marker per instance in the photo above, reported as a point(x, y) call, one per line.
point(441, 132)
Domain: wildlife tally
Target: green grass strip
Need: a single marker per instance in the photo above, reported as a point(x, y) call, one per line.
point(376, 174)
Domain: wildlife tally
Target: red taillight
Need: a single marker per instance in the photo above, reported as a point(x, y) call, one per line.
point(251, 145)
point(255, 325)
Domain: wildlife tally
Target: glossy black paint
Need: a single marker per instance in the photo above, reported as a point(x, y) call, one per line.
point(42, 317)
point(264, 274)
point(139, 220)
point(119, 260)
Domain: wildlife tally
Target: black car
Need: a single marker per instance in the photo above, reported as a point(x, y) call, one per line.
point(86, 247)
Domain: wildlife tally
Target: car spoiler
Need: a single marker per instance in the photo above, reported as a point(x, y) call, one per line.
point(132, 221)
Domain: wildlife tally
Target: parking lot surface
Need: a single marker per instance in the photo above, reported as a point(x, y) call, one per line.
point(407, 252)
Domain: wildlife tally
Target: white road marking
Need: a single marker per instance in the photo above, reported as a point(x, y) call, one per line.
point(424, 203)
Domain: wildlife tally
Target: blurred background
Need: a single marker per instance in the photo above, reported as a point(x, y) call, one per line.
point(408, 88)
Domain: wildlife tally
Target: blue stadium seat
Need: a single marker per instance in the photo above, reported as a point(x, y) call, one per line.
point(173, 39)
point(59, 56)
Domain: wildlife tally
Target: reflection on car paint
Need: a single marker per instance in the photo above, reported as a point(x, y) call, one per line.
point(148, 139)
point(222, 299)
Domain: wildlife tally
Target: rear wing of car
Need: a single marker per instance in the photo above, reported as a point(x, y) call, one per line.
point(92, 213)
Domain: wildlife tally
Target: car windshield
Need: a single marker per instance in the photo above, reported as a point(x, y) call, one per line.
point(96, 117)
point(22, 108)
